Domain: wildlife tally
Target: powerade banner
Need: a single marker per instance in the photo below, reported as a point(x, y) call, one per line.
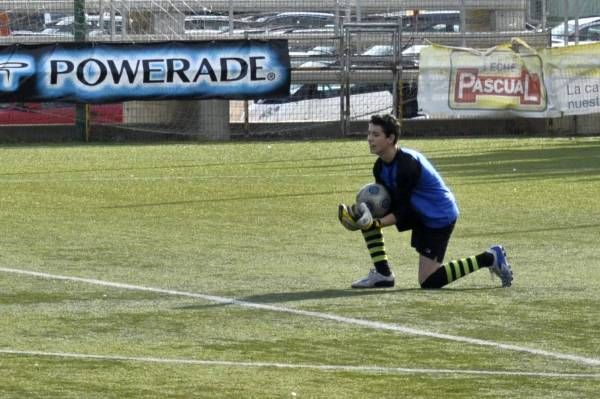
point(504, 82)
point(113, 72)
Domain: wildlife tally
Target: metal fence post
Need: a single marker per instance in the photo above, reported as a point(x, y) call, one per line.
point(396, 80)
point(79, 33)
point(463, 23)
point(246, 105)
point(230, 18)
point(346, 83)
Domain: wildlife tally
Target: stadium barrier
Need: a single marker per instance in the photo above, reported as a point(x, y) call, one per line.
point(338, 77)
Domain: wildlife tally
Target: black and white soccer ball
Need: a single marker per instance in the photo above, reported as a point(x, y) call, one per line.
point(376, 197)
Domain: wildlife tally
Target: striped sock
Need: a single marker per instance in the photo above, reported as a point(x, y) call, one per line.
point(374, 240)
point(456, 269)
point(452, 271)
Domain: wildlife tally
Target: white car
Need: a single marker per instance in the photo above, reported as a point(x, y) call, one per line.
point(410, 55)
point(65, 26)
point(323, 105)
point(586, 31)
point(296, 20)
point(202, 24)
point(318, 57)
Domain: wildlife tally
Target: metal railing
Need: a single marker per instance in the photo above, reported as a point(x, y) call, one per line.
point(356, 26)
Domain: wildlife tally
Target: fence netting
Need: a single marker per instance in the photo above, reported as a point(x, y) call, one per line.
point(349, 58)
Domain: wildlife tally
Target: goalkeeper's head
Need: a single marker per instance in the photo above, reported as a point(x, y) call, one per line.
point(389, 124)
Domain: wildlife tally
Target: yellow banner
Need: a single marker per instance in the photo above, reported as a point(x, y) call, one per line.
point(573, 75)
point(509, 80)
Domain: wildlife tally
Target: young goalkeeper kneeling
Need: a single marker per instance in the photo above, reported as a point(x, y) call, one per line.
point(422, 203)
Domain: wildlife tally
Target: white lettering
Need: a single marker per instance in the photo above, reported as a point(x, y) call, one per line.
point(465, 81)
point(530, 97)
point(526, 86)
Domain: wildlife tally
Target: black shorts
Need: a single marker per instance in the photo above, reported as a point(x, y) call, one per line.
point(428, 241)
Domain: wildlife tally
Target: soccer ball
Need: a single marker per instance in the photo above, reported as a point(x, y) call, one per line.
point(376, 197)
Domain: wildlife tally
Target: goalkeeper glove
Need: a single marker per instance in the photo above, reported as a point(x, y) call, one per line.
point(366, 220)
point(347, 217)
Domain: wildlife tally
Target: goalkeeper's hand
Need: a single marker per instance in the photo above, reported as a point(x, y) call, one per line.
point(366, 220)
point(347, 217)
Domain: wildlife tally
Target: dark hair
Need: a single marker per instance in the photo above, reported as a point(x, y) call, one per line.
point(389, 124)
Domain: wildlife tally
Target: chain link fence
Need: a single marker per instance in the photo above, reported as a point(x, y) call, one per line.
point(350, 58)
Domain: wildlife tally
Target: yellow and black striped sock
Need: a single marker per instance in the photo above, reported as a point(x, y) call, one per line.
point(375, 245)
point(455, 269)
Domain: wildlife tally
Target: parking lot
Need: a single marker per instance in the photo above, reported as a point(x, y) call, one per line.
point(320, 57)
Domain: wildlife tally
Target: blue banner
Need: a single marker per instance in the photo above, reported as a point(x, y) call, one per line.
point(112, 72)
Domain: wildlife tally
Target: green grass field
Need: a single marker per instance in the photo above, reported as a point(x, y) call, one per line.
point(190, 227)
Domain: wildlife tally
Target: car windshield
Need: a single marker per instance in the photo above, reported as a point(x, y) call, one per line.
point(559, 30)
point(294, 88)
point(379, 50)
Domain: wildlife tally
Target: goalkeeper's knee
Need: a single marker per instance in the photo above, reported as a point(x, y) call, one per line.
point(435, 280)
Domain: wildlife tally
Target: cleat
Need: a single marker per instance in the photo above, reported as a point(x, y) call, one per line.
point(501, 267)
point(374, 280)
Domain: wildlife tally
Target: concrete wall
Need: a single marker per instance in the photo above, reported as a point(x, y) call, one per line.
point(206, 119)
point(494, 20)
point(569, 126)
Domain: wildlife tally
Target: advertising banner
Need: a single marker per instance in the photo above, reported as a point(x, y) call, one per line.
point(509, 80)
point(573, 76)
point(113, 72)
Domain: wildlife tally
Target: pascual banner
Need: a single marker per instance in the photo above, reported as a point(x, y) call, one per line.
point(97, 73)
point(456, 82)
point(500, 81)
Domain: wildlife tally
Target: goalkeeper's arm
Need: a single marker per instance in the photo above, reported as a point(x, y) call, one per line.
point(388, 220)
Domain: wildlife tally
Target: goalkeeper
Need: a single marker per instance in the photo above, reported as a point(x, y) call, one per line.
point(422, 203)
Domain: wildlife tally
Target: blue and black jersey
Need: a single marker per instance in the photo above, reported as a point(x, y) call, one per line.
point(416, 189)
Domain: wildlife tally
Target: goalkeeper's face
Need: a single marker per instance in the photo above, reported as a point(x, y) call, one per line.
point(379, 143)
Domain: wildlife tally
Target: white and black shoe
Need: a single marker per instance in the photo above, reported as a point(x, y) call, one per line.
point(501, 267)
point(375, 280)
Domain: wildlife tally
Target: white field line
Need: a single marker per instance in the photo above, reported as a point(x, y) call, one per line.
point(317, 367)
point(376, 325)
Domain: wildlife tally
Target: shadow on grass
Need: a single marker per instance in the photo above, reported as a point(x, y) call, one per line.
point(344, 293)
point(278, 297)
point(538, 230)
point(293, 165)
point(578, 159)
point(241, 198)
point(282, 297)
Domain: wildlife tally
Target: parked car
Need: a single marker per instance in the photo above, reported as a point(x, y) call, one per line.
point(66, 25)
point(586, 30)
point(307, 91)
point(322, 56)
point(56, 113)
point(207, 24)
point(310, 94)
point(321, 99)
point(421, 21)
point(290, 22)
point(320, 102)
point(380, 54)
point(304, 20)
point(316, 52)
point(412, 54)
